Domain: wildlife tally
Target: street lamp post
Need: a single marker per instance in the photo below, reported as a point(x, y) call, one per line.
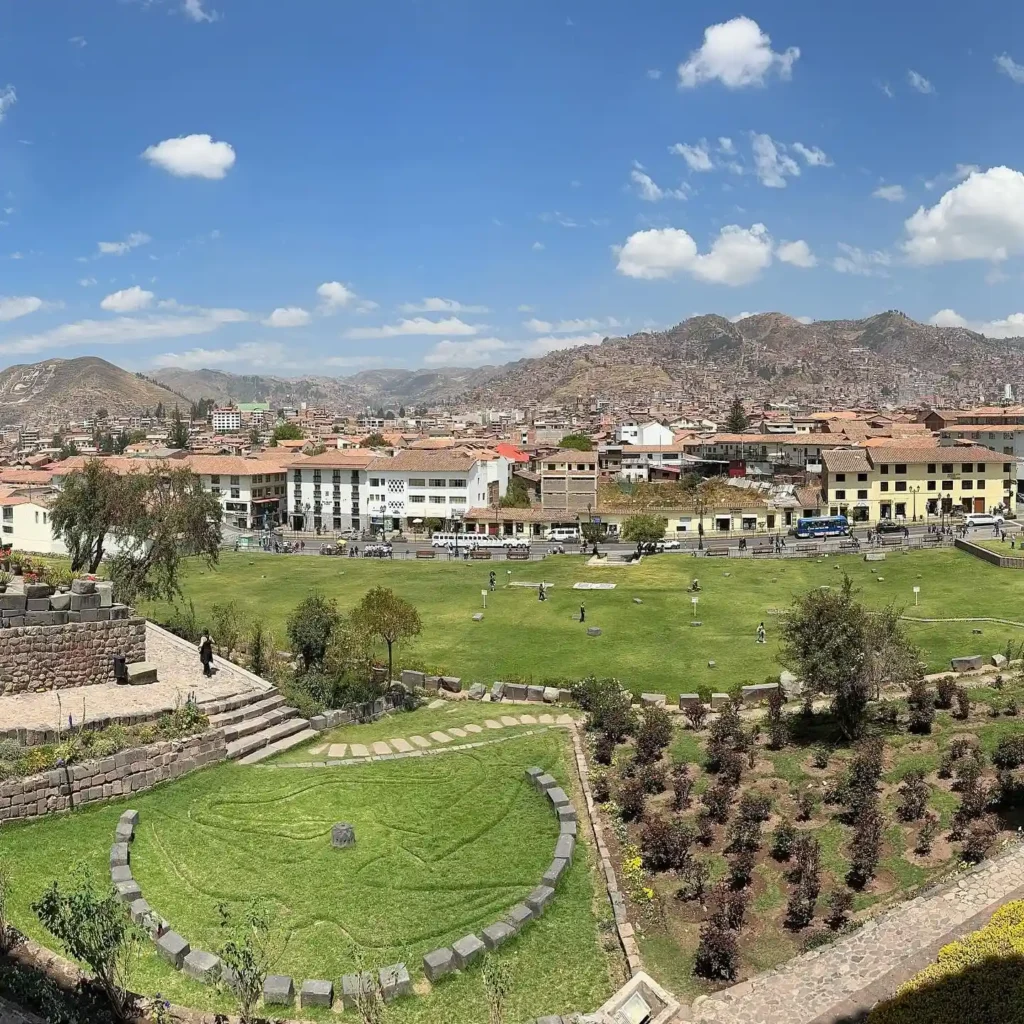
point(699, 506)
point(914, 490)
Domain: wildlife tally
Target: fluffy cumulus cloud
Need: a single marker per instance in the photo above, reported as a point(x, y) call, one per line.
point(128, 300)
point(569, 326)
point(771, 163)
point(14, 306)
point(8, 97)
point(891, 193)
point(192, 156)
point(468, 353)
point(556, 343)
point(697, 157)
point(438, 305)
point(736, 53)
point(797, 254)
point(919, 83)
point(288, 316)
point(194, 11)
point(649, 190)
point(1011, 327)
point(860, 262)
point(418, 326)
point(737, 256)
point(812, 155)
point(133, 241)
point(334, 295)
point(251, 353)
point(982, 218)
point(1010, 67)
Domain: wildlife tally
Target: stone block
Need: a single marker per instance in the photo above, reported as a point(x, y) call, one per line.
point(545, 782)
point(968, 663)
point(719, 701)
point(688, 700)
point(564, 696)
point(535, 693)
point(278, 990)
point(119, 611)
point(593, 631)
point(413, 679)
point(106, 591)
point(567, 813)
point(353, 986)
point(128, 891)
point(567, 828)
point(654, 700)
point(33, 591)
point(466, 950)
point(140, 910)
point(758, 692)
point(477, 691)
point(438, 963)
point(478, 616)
point(343, 835)
point(565, 847)
point(395, 982)
point(451, 683)
point(550, 694)
point(120, 873)
point(39, 618)
point(432, 683)
point(12, 603)
point(558, 796)
point(83, 586)
point(87, 615)
point(59, 618)
point(102, 614)
point(539, 899)
point(173, 948)
point(875, 556)
point(515, 691)
point(84, 602)
point(316, 993)
point(497, 691)
point(318, 723)
point(519, 916)
point(496, 934)
point(119, 854)
point(999, 660)
point(533, 774)
point(201, 966)
point(37, 604)
point(124, 833)
point(554, 872)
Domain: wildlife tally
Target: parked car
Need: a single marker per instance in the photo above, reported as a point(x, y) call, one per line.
point(982, 519)
point(888, 526)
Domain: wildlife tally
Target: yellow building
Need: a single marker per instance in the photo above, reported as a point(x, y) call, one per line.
point(913, 483)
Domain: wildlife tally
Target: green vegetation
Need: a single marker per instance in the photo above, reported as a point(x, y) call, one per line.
point(649, 646)
point(431, 863)
point(577, 442)
point(287, 432)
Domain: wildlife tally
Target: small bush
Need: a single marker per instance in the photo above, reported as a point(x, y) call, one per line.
point(652, 776)
point(840, 903)
point(866, 845)
point(820, 757)
point(604, 748)
point(653, 734)
point(913, 793)
point(705, 827)
point(682, 787)
point(631, 797)
point(696, 715)
point(921, 704)
point(717, 957)
point(665, 844)
point(693, 877)
point(980, 836)
point(945, 692)
point(729, 906)
point(926, 836)
point(962, 704)
point(783, 837)
point(887, 712)
point(600, 787)
point(806, 803)
point(608, 706)
point(1012, 710)
point(741, 868)
point(717, 799)
point(1010, 752)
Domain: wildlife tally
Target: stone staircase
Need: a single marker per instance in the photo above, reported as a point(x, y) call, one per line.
point(257, 725)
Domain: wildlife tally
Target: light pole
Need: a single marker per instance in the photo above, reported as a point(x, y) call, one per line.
point(699, 505)
point(914, 490)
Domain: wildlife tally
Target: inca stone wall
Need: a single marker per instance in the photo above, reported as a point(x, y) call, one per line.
point(36, 658)
point(130, 771)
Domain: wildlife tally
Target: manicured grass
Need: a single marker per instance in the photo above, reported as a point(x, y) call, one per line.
point(649, 646)
point(445, 845)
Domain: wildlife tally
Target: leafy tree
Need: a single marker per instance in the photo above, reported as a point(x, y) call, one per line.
point(890, 658)
point(87, 508)
point(517, 495)
point(696, 714)
point(255, 436)
point(682, 786)
point(159, 411)
point(287, 432)
point(68, 450)
point(388, 617)
point(228, 626)
point(178, 435)
point(840, 903)
point(374, 440)
point(736, 422)
point(778, 727)
point(825, 636)
point(166, 517)
point(866, 845)
point(249, 953)
point(665, 843)
point(981, 834)
point(261, 648)
point(94, 928)
point(644, 528)
point(577, 442)
point(929, 830)
point(782, 840)
point(608, 707)
point(631, 796)
point(310, 628)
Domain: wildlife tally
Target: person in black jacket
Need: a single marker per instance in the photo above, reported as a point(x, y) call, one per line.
point(206, 653)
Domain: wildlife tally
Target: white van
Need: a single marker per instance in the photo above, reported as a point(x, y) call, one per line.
point(564, 533)
point(982, 519)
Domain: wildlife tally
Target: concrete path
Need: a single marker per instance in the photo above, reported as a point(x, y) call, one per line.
point(837, 982)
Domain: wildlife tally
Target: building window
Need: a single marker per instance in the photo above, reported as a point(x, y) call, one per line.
point(947, 485)
point(417, 499)
point(968, 467)
point(931, 485)
point(841, 477)
point(931, 468)
point(417, 481)
point(900, 467)
point(215, 479)
point(884, 468)
point(1006, 467)
point(235, 492)
point(884, 485)
point(967, 485)
point(437, 499)
point(316, 476)
point(901, 485)
point(456, 483)
point(862, 495)
point(375, 481)
point(862, 478)
point(336, 477)
point(947, 467)
point(437, 481)
point(234, 481)
point(840, 495)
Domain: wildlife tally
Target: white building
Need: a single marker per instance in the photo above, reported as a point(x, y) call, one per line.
point(327, 491)
point(224, 421)
point(649, 433)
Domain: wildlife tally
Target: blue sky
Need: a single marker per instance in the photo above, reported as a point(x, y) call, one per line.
point(326, 186)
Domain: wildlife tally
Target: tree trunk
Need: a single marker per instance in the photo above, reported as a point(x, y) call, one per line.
point(388, 680)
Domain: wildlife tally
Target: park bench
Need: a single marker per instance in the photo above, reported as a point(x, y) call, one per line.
point(931, 538)
point(480, 553)
point(518, 554)
point(849, 545)
point(892, 542)
point(806, 548)
point(716, 552)
point(763, 551)
point(426, 553)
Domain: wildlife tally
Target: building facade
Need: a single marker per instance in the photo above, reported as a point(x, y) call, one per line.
point(226, 421)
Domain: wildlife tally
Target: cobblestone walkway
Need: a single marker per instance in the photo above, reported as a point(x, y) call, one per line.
point(845, 979)
point(178, 674)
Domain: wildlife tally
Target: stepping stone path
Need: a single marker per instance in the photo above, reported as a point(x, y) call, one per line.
point(564, 720)
point(420, 741)
point(455, 731)
point(509, 720)
point(546, 719)
point(438, 703)
point(337, 750)
point(441, 737)
point(380, 747)
point(527, 720)
point(402, 746)
point(492, 724)
point(474, 728)
point(358, 750)
point(318, 750)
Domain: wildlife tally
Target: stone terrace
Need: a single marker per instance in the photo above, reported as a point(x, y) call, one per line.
point(178, 674)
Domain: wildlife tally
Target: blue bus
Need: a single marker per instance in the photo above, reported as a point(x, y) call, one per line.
point(822, 526)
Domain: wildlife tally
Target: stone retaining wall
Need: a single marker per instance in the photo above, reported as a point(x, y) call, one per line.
point(1003, 561)
point(109, 778)
point(38, 658)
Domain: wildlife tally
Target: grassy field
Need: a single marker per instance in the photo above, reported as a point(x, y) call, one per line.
point(651, 645)
point(431, 863)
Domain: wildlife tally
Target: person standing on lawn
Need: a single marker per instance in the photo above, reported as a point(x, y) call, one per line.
point(583, 612)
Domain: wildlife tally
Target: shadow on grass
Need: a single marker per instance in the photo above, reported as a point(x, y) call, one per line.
point(989, 992)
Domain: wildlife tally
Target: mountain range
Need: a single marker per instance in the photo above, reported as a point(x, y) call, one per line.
point(703, 361)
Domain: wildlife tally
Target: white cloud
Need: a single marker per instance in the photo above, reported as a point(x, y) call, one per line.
point(919, 82)
point(648, 190)
point(771, 162)
point(537, 247)
point(539, 326)
point(437, 305)
point(860, 262)
point(797, 254)
point(726, 145)
point(1011, 327)
point(133, 241)
point(805, 319)
point(287, 316)
point(736, 53)
point(193, 9)
point(80, 41)
point(334, 296)
point(891, 193)
point(1010, 67)
point(8, 97)
point(524, 308)
point(697, 157)
point(87, 282)
point(813, 156)
point(737, 256)
point(982, 218)
point(128, 300)
point(192, 156)
point(14, 306)
point(542, 346)
point(467, 353)
point(886, 89)
point(654, 73)
point(250, 353)
point(569, 326)
point(417, 326)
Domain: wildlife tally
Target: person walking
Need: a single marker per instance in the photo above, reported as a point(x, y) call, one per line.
point(583, 612)
point(760, 633)
point(206, 653)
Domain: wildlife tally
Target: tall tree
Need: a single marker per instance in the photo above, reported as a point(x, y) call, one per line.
point(84, 512)
point(178, 435)
point(374, 440)
point(737, 421)
point(578, 442)
point(388, 617)
point(517, 495)
point(287, 432)
point(644, 529)
point(311, 625)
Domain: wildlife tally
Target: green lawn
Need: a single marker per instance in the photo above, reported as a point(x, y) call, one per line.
point(431, 863)
point(650, 646)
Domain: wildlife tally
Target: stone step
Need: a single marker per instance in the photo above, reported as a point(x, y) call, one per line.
point(243, 713)
point(249, 744)
point(141, 672)
point(250, 726)
point(221, 705)
point(278, 746)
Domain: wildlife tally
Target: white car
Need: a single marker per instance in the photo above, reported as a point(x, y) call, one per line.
point(982, 519)
point(668, 545)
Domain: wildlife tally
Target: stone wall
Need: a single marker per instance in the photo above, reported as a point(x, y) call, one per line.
point(1003, 561)
point(109, 778)
point(37, 658)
